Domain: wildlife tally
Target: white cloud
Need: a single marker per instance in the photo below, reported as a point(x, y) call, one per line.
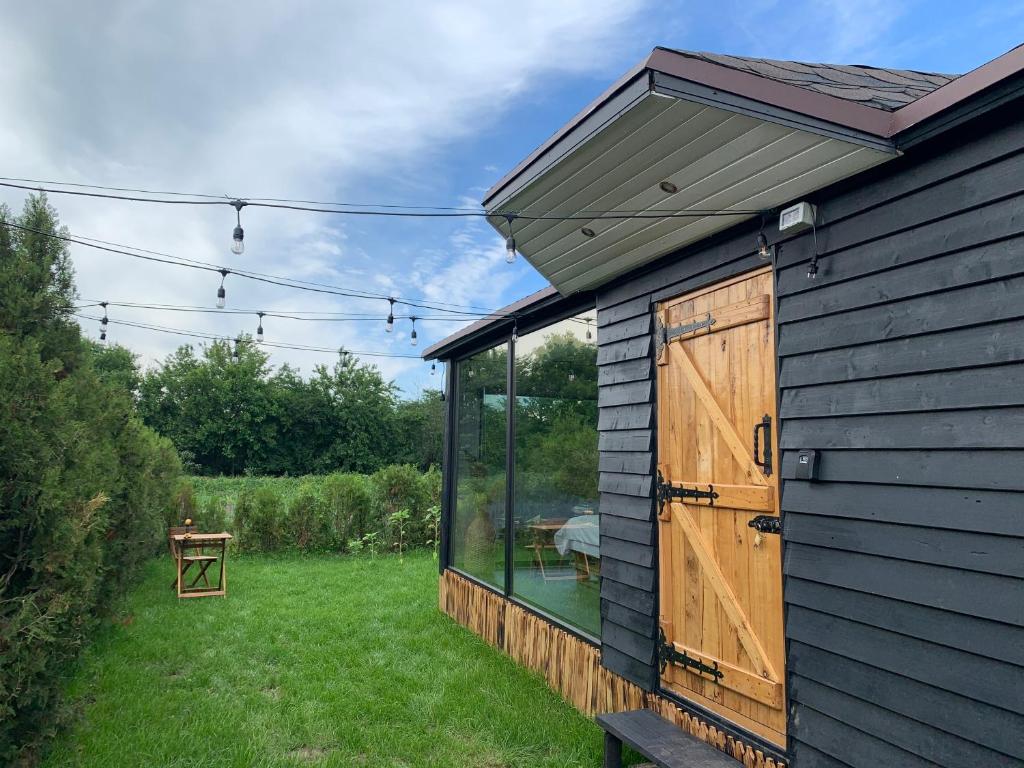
point(321, 100)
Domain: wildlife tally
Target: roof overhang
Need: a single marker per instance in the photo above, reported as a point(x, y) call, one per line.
point(731, 142)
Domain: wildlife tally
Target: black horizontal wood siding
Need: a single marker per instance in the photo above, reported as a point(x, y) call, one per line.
point(627, 443)
point(903, 364)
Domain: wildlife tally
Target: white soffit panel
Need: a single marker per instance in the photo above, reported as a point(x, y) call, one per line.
point(719, 160)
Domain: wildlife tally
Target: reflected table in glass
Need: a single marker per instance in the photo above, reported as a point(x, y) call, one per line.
point(546, 535)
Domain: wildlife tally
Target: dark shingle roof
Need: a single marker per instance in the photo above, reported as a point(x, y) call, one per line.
point(887, 89)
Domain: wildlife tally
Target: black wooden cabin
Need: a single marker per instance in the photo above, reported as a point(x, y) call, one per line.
point(896, 419)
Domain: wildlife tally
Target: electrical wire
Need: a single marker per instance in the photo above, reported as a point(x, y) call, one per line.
point(273, 344)
point(429, 212)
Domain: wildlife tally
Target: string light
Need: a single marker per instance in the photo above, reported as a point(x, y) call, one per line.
point(221, 293)
point(433, 369)
point(259, 328)
point(390, 324)
point(238, 235)
point(590, 336)
point(234, 352)
point(103, 322)
point(412, 336)
point(510, 243)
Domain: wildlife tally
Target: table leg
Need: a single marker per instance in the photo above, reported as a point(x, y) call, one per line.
point(178, 558)
point(224, 568)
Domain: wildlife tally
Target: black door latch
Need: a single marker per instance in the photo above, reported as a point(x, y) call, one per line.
point(766, 524)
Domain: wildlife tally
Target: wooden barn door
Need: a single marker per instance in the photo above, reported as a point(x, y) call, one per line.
point(721, 579)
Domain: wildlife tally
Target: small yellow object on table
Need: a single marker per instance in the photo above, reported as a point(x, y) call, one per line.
point(199, 543)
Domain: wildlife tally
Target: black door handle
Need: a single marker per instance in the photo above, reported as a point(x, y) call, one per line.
point(764, 463)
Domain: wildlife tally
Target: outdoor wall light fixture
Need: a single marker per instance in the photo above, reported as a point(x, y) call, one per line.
point(238, 235)
point(221, 293)
point(668, 187)
point(510, 243)
point(588, 232)
point(412, 336)
point(389, 326)
point(763, 249)
point(259, 328)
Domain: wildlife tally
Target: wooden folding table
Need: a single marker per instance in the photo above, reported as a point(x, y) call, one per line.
point(200, 543)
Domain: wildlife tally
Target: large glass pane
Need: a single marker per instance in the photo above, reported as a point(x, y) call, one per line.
point(478, 523)
point(557, 556)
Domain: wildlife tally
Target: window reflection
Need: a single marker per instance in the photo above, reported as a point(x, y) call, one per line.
point(556, 518)
point(478, 524)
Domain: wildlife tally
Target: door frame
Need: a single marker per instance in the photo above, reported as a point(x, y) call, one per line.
point(730, 728)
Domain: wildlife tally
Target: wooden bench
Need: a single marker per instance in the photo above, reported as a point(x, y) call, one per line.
point(658, 740)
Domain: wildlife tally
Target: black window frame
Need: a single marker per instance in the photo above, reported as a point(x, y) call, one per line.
point(506, 335)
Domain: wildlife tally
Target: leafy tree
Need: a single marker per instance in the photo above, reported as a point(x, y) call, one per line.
point(419, 426)
point(363, 425)
point(234, 414)
point(117, 366)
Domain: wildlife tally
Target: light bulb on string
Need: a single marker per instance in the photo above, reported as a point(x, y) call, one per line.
point(103, 323)
point(433, 369)
point(510, 242)
point(259, 328)
point(590, 336)
point(221, 293)
point(238, 235)
point(412, 336)
point(235, 352)
point(390, 324)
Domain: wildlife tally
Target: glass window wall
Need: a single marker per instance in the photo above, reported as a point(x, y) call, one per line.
point(555, 541)
point(478, 521)
point(557, 556)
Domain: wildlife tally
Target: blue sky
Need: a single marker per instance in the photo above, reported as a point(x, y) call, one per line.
point(409, 103)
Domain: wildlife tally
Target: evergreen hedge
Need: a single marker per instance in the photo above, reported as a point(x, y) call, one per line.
point(85, 488)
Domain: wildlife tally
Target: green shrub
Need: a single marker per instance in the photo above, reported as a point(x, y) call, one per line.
point(346, 500)
point(185, 505)
point(324, 513)
point(306, 526)
point(213, 517)
point(259, 520)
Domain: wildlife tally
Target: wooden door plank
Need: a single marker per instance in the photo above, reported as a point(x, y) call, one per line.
point(716, 579)
point(750, 310)
point(740, 451)
point(736, 678)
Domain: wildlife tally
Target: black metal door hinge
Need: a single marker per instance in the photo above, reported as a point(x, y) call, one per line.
point(669, 492)
point(667, 654)
point(766, 524)
point(663, 334)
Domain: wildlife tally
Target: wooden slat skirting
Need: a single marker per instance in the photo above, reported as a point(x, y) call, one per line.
point(571, 666)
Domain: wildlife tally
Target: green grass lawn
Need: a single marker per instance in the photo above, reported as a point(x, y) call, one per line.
point(315, 661)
